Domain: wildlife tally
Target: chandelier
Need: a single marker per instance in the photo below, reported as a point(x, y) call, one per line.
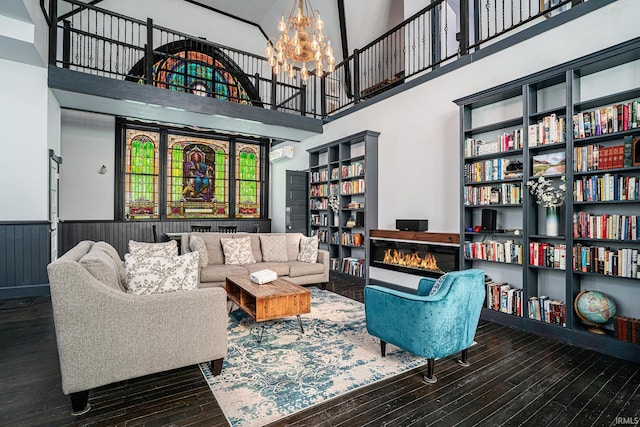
point(301, 41)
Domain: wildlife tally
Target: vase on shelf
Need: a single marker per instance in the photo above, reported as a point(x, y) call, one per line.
point(336, 219)
point(552, 221)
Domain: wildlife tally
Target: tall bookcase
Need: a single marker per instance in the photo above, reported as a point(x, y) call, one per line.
point(347, 168)
point(499, 149)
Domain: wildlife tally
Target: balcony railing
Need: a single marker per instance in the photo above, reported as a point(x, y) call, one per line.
point(107, 44)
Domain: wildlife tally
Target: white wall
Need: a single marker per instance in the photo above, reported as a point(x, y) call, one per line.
point(87, 144)
point(24, 161)
point(419, 142)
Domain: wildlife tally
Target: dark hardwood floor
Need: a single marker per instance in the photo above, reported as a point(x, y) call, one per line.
point(515, 378)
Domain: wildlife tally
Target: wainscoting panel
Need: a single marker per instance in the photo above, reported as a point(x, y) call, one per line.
point(24, 255)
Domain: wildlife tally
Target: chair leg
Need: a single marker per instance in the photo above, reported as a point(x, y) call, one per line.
point(80, 402)
point(383, 348)
point(216, 366)
point(429, 377)
point(463, 358)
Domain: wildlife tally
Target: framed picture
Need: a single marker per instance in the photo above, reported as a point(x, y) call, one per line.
point(549, 164)
point(545, 5)
point(635, 151)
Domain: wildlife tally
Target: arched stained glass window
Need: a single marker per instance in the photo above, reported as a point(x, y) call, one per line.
point(141, 174)
point(247, 181)
point(198, 177)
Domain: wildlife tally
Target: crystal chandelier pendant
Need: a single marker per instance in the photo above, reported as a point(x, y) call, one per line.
point(301, 46)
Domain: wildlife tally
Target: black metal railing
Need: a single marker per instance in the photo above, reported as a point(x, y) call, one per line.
point(108, 44)
point(441, 32)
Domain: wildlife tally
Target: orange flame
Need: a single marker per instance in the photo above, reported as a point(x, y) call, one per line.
point(413, 260)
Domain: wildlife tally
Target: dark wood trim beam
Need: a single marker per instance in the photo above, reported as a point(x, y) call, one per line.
point(213, 9)
point(420, 236)
point(345, 46)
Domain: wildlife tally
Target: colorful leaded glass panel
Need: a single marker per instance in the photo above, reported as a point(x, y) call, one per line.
point(247, 180)
point(197, 177)
point(141, 174)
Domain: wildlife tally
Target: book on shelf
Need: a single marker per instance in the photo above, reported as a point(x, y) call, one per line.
point(608, 187)
point(549, 130)
point(505, 194)
point(619, 262)
point(589, 225)
point(544, 254)
point(505, 142)
point(547, 310)
point(627, 329)
point(605, 120)
point(502, 297)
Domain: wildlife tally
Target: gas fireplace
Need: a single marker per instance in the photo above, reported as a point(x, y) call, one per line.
point(425, 259)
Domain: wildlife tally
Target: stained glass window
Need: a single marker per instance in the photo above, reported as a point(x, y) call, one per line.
point(247, 181)
point(141, 174)
point(197, 177)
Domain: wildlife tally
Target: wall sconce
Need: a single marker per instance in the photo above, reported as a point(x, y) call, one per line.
point(103, 169)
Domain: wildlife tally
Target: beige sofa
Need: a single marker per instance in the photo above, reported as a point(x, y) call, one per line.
point(215, 272)
point(105, 335)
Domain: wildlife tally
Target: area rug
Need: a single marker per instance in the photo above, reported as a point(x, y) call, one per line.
point(288, 371)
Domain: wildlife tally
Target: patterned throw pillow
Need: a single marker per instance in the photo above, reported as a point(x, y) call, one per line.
point(274, 248)
point(169, 248)
point(237, 251)
point(196, 244)
point(308, 249)
point(438, 283)
point(148, 275)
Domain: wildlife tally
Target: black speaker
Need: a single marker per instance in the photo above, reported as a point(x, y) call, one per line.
point(412, 224)
point(359, 219)
point(489, 219)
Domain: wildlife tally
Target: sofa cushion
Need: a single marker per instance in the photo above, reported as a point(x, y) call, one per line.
point(281, 268)
point(293, 245)
point(119, 264)
point(214, 247)
point(158, 274)
point(218, 273)
point(308, 249)
point(237, 251)
point(168, 249)
point(101, 266)
point(299, 268)
point(255, 246)
point(274, 248)
point(196, 244)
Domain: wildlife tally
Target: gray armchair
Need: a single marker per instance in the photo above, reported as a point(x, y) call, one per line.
point(105, 334)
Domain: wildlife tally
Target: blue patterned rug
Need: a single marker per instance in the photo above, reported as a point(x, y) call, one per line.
point(289, 371)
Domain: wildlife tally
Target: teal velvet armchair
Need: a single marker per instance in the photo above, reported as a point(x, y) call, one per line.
point(438, 321)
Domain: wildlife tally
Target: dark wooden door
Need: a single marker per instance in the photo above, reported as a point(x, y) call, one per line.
point(296, 211)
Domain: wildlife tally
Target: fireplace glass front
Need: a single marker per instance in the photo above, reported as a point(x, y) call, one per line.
point(424, 259)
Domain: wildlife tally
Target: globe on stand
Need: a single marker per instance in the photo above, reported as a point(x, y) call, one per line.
point(594, 309)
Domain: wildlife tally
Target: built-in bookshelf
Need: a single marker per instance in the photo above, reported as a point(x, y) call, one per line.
point(348, 169)
point(577, 124)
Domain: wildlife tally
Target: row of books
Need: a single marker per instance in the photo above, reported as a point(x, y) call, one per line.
point(606, 226)
point(489, 170)
point(352, 239)
point(319, 176)
point(544, 254)
point(597, 157)
point(610, 119)
point(627, 329)
point(504, 298)
point(550, 130)
point(348, 265)
point(505, 194)
point(319, 219)
point(335, 238)
point(318, 204)
point(319, 190)
point(322, 235)
point(348, 171)
point(606, 188)
point(547, 310)
point(493, 250)
point(505, 142)
point(352, 187)
point(621, 262)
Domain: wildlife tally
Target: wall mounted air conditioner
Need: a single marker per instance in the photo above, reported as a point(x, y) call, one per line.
point(281, 153)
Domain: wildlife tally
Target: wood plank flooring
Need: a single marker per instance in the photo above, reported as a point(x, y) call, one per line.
point(515, 379)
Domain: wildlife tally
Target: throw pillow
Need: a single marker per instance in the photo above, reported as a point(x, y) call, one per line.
point(148, 275)
point(100, 265)
point(237, 251)
point(308, 249)
point(168, 249)
point(196, 244)
point(438, 283)
point(274, 248)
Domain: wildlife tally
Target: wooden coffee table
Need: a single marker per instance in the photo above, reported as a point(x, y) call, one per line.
point(269, 301)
